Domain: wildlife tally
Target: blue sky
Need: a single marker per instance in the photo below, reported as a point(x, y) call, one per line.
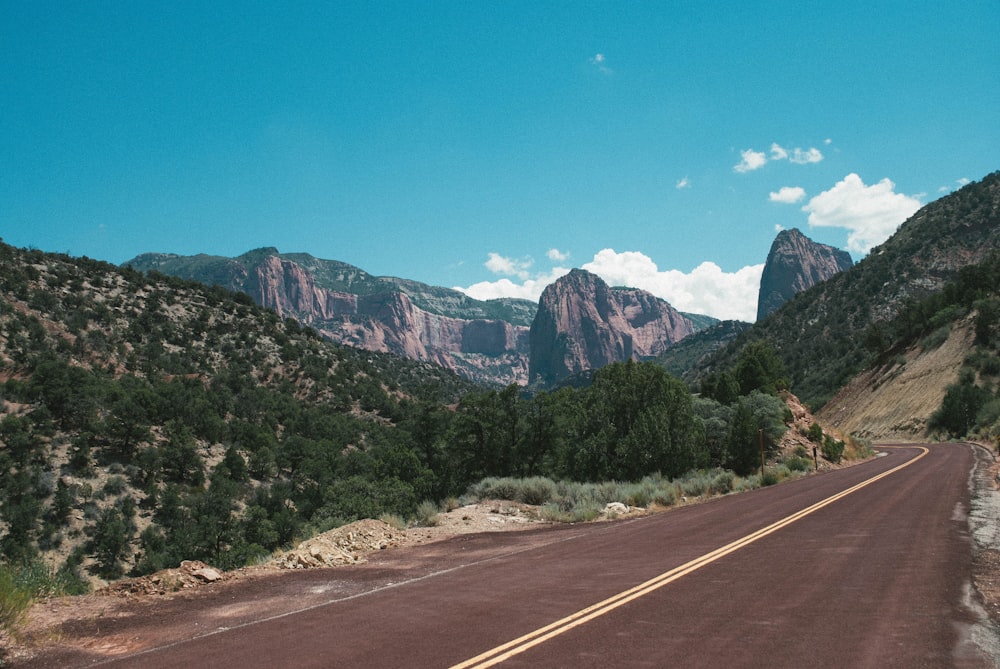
point(492, 145)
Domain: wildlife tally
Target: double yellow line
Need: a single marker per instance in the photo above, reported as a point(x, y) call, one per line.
point(508, 650)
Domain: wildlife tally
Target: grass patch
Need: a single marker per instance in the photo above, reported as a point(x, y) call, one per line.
point(427, 514)
point(22, 584)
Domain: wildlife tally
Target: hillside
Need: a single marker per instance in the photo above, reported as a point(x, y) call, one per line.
point(146, 420)
point(831, 332)
point(897, 400)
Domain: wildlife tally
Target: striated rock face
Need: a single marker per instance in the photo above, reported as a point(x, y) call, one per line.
point(794, 264)
point(351, 307)
point(484, 350)
point(582, 324)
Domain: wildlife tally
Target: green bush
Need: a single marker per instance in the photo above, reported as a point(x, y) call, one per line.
point(833, 449)
point(798, 464)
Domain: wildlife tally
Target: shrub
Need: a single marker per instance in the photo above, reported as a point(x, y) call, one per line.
point(427, 514)
point(665, 496)
point(722, 482)
point(536, 491)
point(770, 477)
point(798, 464)
point(833, 449)
point(393, 520)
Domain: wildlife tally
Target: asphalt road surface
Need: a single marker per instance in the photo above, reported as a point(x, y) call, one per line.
point(867, 566)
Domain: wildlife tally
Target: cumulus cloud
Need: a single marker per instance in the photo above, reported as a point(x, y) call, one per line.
point(870, 213)
point(499, 264)
point(754, 160)
point(683, 183)
point(527, 289)
point(555, 255)
point(751, 160)
point(707, 289)
point(788, 195)
point(804, 157)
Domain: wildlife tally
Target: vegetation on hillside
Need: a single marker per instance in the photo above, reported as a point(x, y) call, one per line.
point(822, 334)
point(971, 407)
point(147, 419)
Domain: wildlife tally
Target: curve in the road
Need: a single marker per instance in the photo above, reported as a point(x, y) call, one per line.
point(521, 644)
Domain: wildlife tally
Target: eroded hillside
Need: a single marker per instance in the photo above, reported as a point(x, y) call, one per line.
point(895, 401)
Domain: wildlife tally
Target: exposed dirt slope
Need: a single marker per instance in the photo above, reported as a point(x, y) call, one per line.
point(896, 400)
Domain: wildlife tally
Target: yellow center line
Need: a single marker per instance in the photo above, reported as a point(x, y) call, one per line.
point(521, 644)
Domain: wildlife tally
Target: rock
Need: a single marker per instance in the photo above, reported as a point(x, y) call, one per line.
point(584, 324)
point(207, 574)
point(616, 508)
point(345, 545)
point(794, 264)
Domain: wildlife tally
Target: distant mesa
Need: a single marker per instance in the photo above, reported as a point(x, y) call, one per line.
point(794, 264)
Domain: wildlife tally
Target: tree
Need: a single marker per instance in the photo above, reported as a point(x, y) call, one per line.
point(758, 367)
point(743, 454)
point(110, 541)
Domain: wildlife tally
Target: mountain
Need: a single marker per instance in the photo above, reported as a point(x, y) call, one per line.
point(796, 263)
point(484, 341)
point(583, 324)
point(832, 331)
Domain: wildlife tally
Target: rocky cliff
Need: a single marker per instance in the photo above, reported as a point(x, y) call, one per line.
point(351, 307)
point(794, 264)
point(582, 324)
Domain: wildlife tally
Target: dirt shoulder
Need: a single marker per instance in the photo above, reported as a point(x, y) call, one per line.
point(107, 622)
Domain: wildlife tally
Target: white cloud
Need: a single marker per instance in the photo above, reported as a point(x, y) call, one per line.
point(870, 213)
point(754, 160)
point(683, 183)
point(788, 195)
point(555, 255)
point(528, 289)
point(707, 289)
point(800, 157)
point(498, 264)
point(599, 61)
point(751, 160)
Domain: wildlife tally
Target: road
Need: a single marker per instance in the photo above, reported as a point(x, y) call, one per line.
point(867, 566)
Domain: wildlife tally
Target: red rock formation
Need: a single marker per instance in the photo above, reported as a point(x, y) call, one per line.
point(794, 264)
point(484, 350)
point(582, 323)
